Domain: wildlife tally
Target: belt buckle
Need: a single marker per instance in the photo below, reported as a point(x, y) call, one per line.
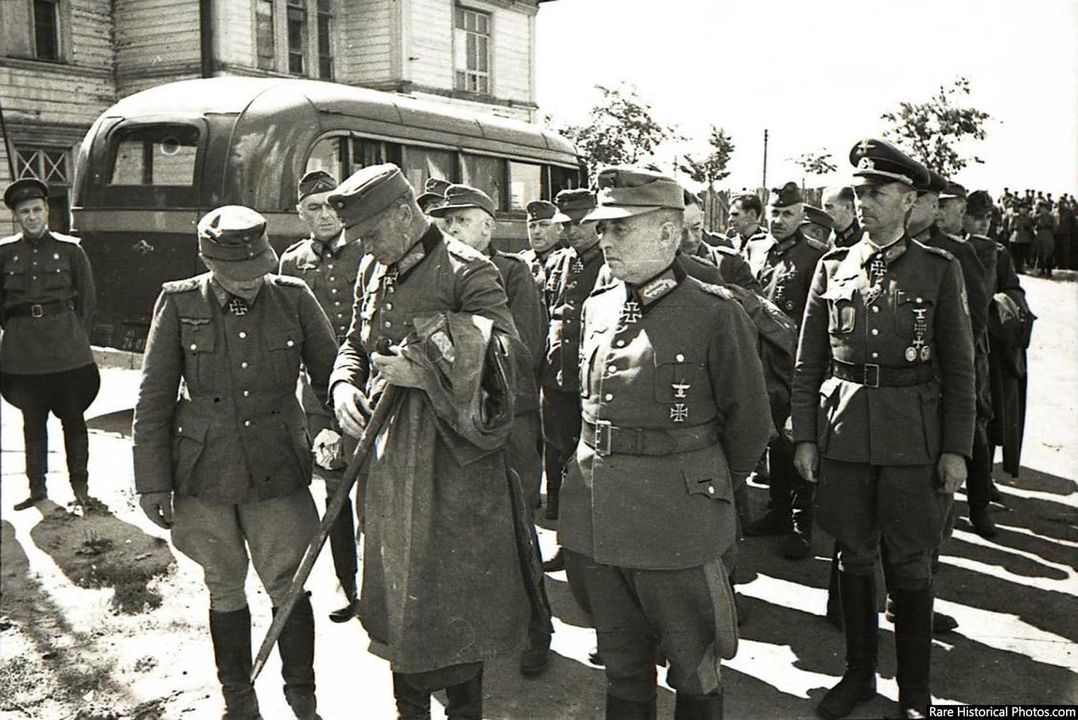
point(37, 311)
point(872, 375)
point(602, 437)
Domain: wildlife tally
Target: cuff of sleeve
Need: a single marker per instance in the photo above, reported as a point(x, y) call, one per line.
point(957, 448)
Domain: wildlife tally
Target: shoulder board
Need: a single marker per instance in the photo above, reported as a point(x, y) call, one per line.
point(610, 284)
point(717, 291)
point(67, 238)
point(816, 244)
point(287, 281)
point(724, 249)
point(464, 252)
point(836, 253)
point(296, 245)
point(938, 251)
point(518, 258)
point(182, 286)
point(697, 259)
point(956, 238)
point(11, 239)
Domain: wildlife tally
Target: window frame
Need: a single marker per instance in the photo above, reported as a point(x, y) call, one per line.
point(489, 36)
point(312, 57)
point(20, 15)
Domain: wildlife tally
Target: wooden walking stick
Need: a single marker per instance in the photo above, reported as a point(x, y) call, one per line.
point(340, 497)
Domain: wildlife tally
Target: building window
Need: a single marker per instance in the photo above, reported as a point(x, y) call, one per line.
point(297, 36)
point(325, 39)
point(264, 35)
point(472, 51)
point(45, 164)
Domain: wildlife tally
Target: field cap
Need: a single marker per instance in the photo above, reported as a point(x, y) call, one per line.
point(462, 197)
point(877, 162)
point(818, 216)
point(233, 242)
point(979, 203)
point(785, 196)
point(316, 181)
point(541, 210)
point(629, 191)
point(953, 191)
point(367, 192)
point(573, 205)
point(433, 193)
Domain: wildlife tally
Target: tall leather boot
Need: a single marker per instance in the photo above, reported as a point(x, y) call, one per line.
point(296, 645)
point(77, 447)
point(231, 633)
point(834, 601)
point(465, 699)
point(858, 683)
point(553, 469)
point(798, 544)
point(618, 709)
point(37, 462)
point(412, 703)
point(913, 650)
point(342, 545)
point(698, 707)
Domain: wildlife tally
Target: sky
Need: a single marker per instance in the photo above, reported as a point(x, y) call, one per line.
point(818, 75)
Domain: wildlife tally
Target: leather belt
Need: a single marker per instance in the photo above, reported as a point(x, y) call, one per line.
point(40, 310)
point(872, 375)
point(607, 439)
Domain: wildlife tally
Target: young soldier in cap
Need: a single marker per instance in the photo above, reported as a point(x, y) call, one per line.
point(328, 262)
point(746, 212)
point(838, 203)
point(785, 261)
point(732, 267)
point(46, 300)
point(817, 224)
point(674, 412)
point(442, 576)
point(226, 467)
point(544, 238)
point(883, 416)
point(468, 216)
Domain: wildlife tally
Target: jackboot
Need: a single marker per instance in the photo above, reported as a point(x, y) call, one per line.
point(231, 633)
point(798, 544)
point(296, 646)
point(913, 650)
point(342, 545)
point(698, 707)
point(982, 522)
point(556, 563)
point(412, 703)
point(465, 700)
point(37, 462)
point(351, 609)
point(775, 521)
point(858, 683)
point(834, 601)
point(618, 709)
point(77, 447)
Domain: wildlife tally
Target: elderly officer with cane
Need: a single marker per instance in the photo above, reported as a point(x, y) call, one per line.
point(226, 466)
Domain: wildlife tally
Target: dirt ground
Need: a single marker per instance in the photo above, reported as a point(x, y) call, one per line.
point(102, 619)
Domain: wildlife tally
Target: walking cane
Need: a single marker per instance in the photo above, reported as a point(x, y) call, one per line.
point(340, 497)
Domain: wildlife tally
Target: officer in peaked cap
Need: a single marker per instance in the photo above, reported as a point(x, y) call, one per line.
point(433, 193)
point(674, 414)
point(328, 262)
point(883, 420)
point(785, 261)
point(226, 467)
point(544, 239)
point(817, 224)
point(952, 206)
point(47, 298)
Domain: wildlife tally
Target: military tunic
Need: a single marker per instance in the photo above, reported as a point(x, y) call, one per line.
point(732, 267)
point(330, 270)
point(787, 271)
point(848, 237)
point(537, 265)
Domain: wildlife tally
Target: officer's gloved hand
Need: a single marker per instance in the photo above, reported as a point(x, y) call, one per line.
point(807, 460)
point(951, 471)
point(351, 408)
point(398, 370)
point(158, 507)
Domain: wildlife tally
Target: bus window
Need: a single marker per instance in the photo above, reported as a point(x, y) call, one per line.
point(562, 178)
point(487, 174)
point(326, 155)
point(161, 155)
point(341, 155)
point(525, 185)
point(421, 163)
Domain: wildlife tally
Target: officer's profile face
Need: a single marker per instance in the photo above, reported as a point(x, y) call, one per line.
point(580, 235)
point(882, 208)
point(321, 219)
point(471, 226)
point(543, 234)
point(692, 228)
point(638, 248)
point(950, 215)
point(841, 210)
point(924, 212)
point(976, 224)
point(785, 220)
point(743, 221)
point(33, 217)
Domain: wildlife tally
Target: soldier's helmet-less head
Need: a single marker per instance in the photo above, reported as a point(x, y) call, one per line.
point(233, 243)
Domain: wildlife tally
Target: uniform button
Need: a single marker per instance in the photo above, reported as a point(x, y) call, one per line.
point(620, 343)
point(711, 489)
point(194, 346)
point(333, 290)
point(340, 314)
point(330, 266)
point(920, 299)
point(875, 331)
point(243, 364)
point(392, 289)
point(679, 357)
point(247, 423)
point(34, 277)
point(247, 393)
point(243, 335)
point(875, 355)
point(179, 429)
point(290, 343)
point(332, 279)
point(875, 308)
point(389, 306)
point(336, 302)
point(389, 324)
point(608, 397)
point(611, 369)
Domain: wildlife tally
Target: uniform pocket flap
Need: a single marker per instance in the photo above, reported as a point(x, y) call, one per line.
point(707, 479)
point(192, 428)
point(197, 334)
point(837, 292)
point(915, 297)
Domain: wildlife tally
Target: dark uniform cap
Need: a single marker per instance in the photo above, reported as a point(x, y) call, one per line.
point(367, 192)
point(233, 242)
point(573, 204)
point(979, 203)
point(541, 210)
point(952, 191)
point(878, 162)
point(316, 181)
point(433, 193)
point(933, 182)
point(817, 216)
point(25, 189)
point(628, 191)
point(787, 195)
point(461, 197)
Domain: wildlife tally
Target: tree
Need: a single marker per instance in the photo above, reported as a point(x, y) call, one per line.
point(936, 131)
point(620, 130)
point(711, 167)
point(818, 162)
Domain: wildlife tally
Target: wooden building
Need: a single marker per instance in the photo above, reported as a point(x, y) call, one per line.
point(63, 62)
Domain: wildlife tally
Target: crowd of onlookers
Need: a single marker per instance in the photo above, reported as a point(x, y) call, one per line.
point(1040, 232)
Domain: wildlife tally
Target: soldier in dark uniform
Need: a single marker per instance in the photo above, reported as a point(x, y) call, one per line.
point(838, 203)
point(675, 413)
point(46, 301)
point(818, 224)
point(784, 262)
point(732, 267)
point(442, 571)
point(328, 262)
point(883, 419)
point(544, 239)
point(746, 214)
point(226, 467)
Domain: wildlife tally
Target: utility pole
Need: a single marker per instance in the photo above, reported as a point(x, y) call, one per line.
point(764, 182)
